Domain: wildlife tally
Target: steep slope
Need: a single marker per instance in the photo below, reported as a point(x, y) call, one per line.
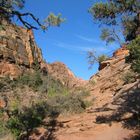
point(19, 54)
point(115, 104)
point(18, 50)
point(114, 111)
point(111, 115)
point(61, 72)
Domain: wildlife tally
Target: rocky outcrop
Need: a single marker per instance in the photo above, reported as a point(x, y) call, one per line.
point(19, 53)
point(17, 49)
point(62, 73)
point(123, 51)
point(112, 103)
point(120, 53)
point(108, 81)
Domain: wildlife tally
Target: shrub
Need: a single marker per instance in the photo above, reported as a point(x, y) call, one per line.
point(129, 77)
point(25, 120)
point(52, 86)
point(134, 56)
point(93, 81)
point(3, 129)
point(6, 83)
point(93, 58)
point(32, 80)
point(72, 103)
point(102, 58)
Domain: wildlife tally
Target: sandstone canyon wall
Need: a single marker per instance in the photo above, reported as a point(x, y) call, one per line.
point(18, 50)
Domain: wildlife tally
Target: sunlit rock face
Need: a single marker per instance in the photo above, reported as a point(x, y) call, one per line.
point(19, 53)
point(18, 50)
point(119, 54)
point(62, 73)
point(123, 51)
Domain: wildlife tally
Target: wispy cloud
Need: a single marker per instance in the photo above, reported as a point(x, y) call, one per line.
point(73, 47)
point(88, 39)
point(81, 48)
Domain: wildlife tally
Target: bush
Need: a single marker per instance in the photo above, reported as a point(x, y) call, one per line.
point(129, 77)
point(102, 58)
point(32, 80)
point(134, 56)
point(52, 86)
point(37, 82)
point(93, 81)
point(26, 120)
point(6, 83)
point(3, 129)
point(72, 103)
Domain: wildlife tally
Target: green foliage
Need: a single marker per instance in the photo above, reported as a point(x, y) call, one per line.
point(26, 119)
point(6, 83)
point(93, 58)
point(102, 58)
point(10, 5)
point(36, 81)
point(52, 86)
point(93, 81)
point(22, 120)
point(36, 65)
point(11, 8)
point(32, 80)
point(134, 56)
point(3, 129)
point(109, 36)
point(118, 14)
point(53, 20)
point(129, 77)
point(69, 104)
point(104, 11)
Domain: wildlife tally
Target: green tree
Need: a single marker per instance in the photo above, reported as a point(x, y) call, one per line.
point(134, 56)
point(12, 8)
point(123, 14)
point(115, 16)
point(93, 58)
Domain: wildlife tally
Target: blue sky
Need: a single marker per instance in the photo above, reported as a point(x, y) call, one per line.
point(70, 42)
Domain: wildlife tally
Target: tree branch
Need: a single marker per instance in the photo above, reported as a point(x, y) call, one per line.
point(20, 17)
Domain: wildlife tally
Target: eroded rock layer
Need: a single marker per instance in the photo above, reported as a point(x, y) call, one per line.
point(17, 48)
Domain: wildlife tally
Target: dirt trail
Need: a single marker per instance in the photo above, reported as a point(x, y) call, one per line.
point(83, 127)
point(112, 110)
point(102, 132)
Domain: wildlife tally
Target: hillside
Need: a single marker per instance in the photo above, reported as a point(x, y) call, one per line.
point(50, 95)
point(19, 54)
point(113, 112)
point(115, 105)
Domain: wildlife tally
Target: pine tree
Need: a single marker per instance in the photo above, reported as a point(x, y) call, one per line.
point(118, 13)
point(11, 8)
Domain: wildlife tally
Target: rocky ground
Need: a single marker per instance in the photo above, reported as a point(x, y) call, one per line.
point(111, 117)
point(114, 113)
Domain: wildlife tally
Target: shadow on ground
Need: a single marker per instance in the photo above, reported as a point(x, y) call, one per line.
point(128, 112)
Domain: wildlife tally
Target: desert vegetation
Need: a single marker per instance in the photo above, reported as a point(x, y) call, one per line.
point(35, 98)
point(57, 99)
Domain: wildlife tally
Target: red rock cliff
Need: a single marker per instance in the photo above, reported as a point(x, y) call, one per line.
point(17, 48)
